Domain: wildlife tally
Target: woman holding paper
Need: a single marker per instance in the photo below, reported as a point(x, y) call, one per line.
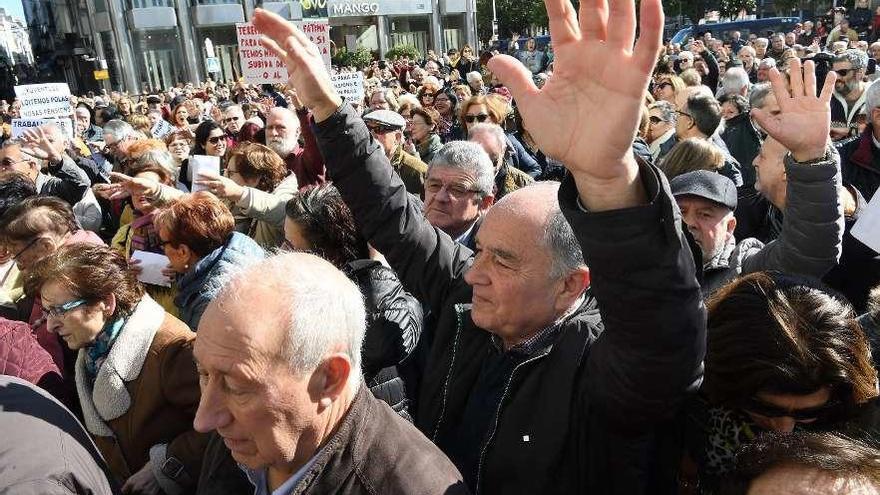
point(140, 234)
point(135, 375)
point(211, 140)
point(198, 237)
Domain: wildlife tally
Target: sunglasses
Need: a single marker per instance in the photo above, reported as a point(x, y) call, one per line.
point(470, 119)
point(761, 408)
point(843, 72)
point(216, 139)
point(664, 84)
point(380, 129)
point(655, 119)
point(230, 119)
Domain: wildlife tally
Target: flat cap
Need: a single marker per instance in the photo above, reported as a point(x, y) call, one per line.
point(705, 184)
point(386, 118)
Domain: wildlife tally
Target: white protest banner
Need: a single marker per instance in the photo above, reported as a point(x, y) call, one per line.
point(867, 227)
point(161, 129)
point(44, 100)
point(318, 32)
point(349, 85)
point(203, 164)
point(21, 125)
point(258, 64)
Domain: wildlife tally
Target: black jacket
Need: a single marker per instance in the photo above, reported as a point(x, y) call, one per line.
point(585, 414)
point(744, 143)
point(860, 163)
point(65, 180)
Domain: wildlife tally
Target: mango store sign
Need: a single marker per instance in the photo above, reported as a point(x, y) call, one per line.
point(354, 8)
point(258, 64)
point(44, 100)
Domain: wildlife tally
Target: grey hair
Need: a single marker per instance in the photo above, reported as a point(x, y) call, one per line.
point(762, 41)
point(161, 158)
point(12, 142)
point(233, 107)
point(566, 254)
point(767, 63)
point(759, 94)
point(735, 79)
point(493, 130)
point(470, 157)
point(120, 129)
point(323, 309)
point(667, 110)
point(473, 76)
point(857, 58)
point(872, 97)
point(746, 49)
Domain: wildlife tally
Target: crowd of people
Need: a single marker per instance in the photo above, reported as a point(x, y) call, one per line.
point(609, 266)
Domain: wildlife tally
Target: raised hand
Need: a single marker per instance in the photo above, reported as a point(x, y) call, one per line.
point(804, 120)
point(222, 187)
point(38, 144)
point(126, 186)
point(308, 75)
point(587, 114)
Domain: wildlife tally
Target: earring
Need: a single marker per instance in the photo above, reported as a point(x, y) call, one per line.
point(186, 266)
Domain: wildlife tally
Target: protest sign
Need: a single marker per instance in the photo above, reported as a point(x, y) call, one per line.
point(867, 227)
point(258, 64)
point(202, 164)
point(318, 32)
point(349, 85)
point(44, 100)
point(21, 125)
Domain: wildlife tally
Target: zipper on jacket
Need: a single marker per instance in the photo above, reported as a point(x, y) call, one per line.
point(448, 376)
point(498, 416)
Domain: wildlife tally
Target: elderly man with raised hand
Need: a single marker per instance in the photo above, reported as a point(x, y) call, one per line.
point(525, 388)
point(287, 396)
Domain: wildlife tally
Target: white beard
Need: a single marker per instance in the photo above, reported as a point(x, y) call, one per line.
point(282, 147)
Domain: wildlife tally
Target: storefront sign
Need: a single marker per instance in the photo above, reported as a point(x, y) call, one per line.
point(101, 75)
point(21, 125)
point(318, 32)
point(44, 100)
point(355, 8)
point(258, 64)
point(349, 85)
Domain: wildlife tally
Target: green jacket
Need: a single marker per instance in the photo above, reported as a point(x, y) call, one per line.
point(411, 170)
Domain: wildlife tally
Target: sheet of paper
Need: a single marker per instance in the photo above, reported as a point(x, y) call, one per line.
point(152, 265)
point(201, 164)
point(867, 227)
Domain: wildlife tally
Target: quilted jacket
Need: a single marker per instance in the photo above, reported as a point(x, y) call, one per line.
point(23, 357)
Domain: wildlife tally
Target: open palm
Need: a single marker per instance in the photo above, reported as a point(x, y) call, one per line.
point(587, 113)
point(804, 120)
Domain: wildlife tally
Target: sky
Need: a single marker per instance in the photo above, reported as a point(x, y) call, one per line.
point(13, 7)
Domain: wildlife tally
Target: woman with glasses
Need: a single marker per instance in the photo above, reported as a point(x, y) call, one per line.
point(197, 234)
point(493, 109)
point(666, 87)
point(179, 144)
point(448, 125)
point(257, 185)
point(135, 376)
point(211, 140)
point(783, 353)
point(318, 221)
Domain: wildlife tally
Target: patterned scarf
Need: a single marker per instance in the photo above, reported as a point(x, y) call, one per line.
point(144, 236)
point(97, 352)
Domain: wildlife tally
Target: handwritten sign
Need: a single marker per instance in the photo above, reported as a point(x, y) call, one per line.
point(44, 100)
point(21, 125)
point(258, 64)
point(318, 32)
point(349, 85)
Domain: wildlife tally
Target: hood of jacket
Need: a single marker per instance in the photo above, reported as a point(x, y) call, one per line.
point(208, 275)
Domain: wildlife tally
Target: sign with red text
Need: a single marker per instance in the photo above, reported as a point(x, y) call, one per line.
point(258, 64)
point(318, 32)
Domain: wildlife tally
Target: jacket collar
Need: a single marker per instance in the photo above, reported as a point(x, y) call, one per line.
point(108, 398)
point(863, 156)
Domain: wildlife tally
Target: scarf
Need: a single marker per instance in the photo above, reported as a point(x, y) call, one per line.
point(144, 236)
point(97, 352)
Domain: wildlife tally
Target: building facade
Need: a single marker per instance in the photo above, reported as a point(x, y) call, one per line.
point(152, 44)
point(15, 43)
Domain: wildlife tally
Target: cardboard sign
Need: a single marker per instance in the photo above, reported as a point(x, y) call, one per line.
point(867, 227)
point(21, 125)
point(161, 129)
point(318, 32)
point(258, 64)
point(349, 85)
point(44, 100)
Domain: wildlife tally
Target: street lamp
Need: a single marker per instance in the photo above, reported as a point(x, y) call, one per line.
point(494, 22)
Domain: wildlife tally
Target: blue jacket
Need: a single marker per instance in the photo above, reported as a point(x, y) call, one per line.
point(199, 286)
point(520, 158)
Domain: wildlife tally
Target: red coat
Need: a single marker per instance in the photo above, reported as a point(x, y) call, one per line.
point(22, 356)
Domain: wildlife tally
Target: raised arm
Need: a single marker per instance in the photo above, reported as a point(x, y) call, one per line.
point(642, 270)
point(429, 262)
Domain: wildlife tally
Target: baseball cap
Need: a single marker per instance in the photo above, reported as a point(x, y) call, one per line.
point(707, 185)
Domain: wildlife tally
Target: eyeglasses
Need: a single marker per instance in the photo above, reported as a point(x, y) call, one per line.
point(26, 247)
point(762, 408)
point(470, 119)
point(685, 114)
point(664, 84)
point(229, 172)
point(9, 163)
point(843, 72)
point(655, 120)
point(62, 309)
point(216, 139)
point(178, 144)
point(454, 190)
point(381, 129)
point(231, 119)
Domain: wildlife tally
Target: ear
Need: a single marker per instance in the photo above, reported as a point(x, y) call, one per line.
point(333, 374)
point(731, 224)
point(573, 285)
point(107, 305)
point(487, 202)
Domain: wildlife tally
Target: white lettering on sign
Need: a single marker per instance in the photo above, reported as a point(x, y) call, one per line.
point(356, 8)
point(318, 32)
point(21, 125)
point(258, 64)
point(44, 100)
point(349, 85)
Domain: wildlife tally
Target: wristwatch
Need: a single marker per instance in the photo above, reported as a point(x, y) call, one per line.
point(172, 467)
